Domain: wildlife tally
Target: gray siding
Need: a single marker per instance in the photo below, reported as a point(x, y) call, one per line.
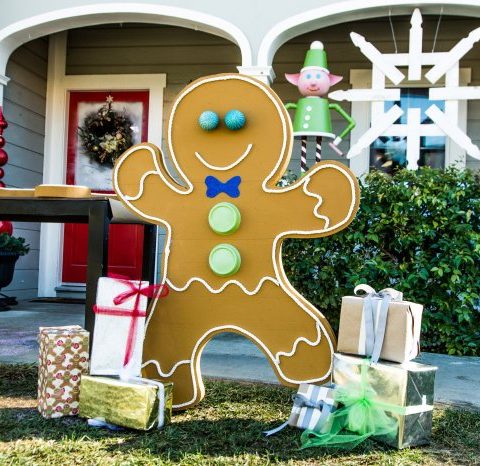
point(24, 108)
point(343, 56)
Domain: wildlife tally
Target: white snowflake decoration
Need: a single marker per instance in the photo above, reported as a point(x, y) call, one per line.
point(386, 66)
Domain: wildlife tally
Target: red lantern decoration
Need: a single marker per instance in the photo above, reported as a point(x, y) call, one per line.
point(3, 122)
point(6, 227)
point(3, 157)
point(2, 172)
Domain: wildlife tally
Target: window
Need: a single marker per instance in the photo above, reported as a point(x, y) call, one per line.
point(388, 153)
point(435, 150)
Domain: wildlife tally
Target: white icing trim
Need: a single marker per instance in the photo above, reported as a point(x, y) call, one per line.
point(169, 182)
point(227, 167)
point(282, 280)
point(159, 370)
point(317, 205)
point(142, 180)
point(219, 290)
point(253, 338)
point(296, 343)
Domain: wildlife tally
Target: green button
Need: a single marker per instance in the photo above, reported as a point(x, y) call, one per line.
point(224, 260)
point(224, 218)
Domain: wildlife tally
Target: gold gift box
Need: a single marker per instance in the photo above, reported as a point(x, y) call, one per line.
point(408, 388)
point(402, 332)
point(63, 358)
point(134, 404)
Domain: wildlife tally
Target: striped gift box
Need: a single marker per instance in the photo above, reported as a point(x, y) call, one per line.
point(311, 407)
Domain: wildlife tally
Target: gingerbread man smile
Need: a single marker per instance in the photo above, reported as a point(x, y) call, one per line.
point(226, 167)
point(225, 220)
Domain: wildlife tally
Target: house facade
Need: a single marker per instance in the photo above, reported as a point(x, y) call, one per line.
point(54, 52)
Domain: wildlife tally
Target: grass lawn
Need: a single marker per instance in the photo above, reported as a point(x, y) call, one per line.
point(226, 428)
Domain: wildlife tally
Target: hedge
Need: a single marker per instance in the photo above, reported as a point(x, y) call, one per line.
point(417, 231)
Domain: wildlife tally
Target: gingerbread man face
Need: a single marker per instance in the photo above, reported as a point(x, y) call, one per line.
point(230, 140)
point(255, 147)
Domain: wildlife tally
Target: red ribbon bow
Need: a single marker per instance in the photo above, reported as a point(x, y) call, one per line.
point(134, 289)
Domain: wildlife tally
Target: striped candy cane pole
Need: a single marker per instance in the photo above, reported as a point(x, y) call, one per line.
point(303, 155)
point(318, 150)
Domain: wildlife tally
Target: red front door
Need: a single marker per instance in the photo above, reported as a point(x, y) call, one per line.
point(84, 168)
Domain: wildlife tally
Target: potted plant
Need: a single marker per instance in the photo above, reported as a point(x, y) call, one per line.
point(11, 249)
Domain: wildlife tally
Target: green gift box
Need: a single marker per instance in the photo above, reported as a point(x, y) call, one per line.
point(137, 403)
point(404, 391)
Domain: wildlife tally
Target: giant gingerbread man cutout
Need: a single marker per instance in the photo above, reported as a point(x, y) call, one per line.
point(226, 220)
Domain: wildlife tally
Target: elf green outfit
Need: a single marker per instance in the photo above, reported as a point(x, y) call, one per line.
point(312, 117)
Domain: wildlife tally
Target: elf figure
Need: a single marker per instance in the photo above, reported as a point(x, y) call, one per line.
point(312, 112)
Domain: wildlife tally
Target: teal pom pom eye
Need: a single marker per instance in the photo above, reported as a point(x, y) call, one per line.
point(235, 120)
point(208, 120)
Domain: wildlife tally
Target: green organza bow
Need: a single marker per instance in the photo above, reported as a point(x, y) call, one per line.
point(360, 417)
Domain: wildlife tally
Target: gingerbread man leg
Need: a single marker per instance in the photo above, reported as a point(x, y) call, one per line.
point(298, 345)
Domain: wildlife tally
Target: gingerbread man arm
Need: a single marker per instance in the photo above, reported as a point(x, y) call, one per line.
point(321, 203)
point(142, 181)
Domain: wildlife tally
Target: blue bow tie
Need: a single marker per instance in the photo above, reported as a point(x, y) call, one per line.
point(215, 186)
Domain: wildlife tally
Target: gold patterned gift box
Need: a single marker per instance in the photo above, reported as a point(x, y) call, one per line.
point(63, 358)
point(136, 404)
point(405, 391)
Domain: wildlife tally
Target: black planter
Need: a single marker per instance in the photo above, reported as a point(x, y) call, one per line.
point(7, 267)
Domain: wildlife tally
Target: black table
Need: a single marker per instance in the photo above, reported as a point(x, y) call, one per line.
point(98, 214)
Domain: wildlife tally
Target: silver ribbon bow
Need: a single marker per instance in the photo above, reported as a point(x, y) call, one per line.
point(374, 337)
point(301, 401)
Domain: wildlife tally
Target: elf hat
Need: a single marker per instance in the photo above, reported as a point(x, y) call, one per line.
point(316, 58)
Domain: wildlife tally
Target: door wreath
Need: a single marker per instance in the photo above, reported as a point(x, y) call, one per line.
point(106, 133)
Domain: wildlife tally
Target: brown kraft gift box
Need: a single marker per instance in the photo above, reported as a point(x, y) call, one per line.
point(401, 342)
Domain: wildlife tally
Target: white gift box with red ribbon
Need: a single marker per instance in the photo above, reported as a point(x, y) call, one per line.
point(118, 335)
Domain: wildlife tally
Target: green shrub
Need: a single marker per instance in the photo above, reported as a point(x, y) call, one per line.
point(417, 231)
point(11, 244)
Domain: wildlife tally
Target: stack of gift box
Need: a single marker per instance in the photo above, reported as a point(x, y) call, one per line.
point(377, 390)
point(107, 389)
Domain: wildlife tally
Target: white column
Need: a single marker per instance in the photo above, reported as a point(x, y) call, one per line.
point(262, 73)
point(51, 234)
point(3, 82)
